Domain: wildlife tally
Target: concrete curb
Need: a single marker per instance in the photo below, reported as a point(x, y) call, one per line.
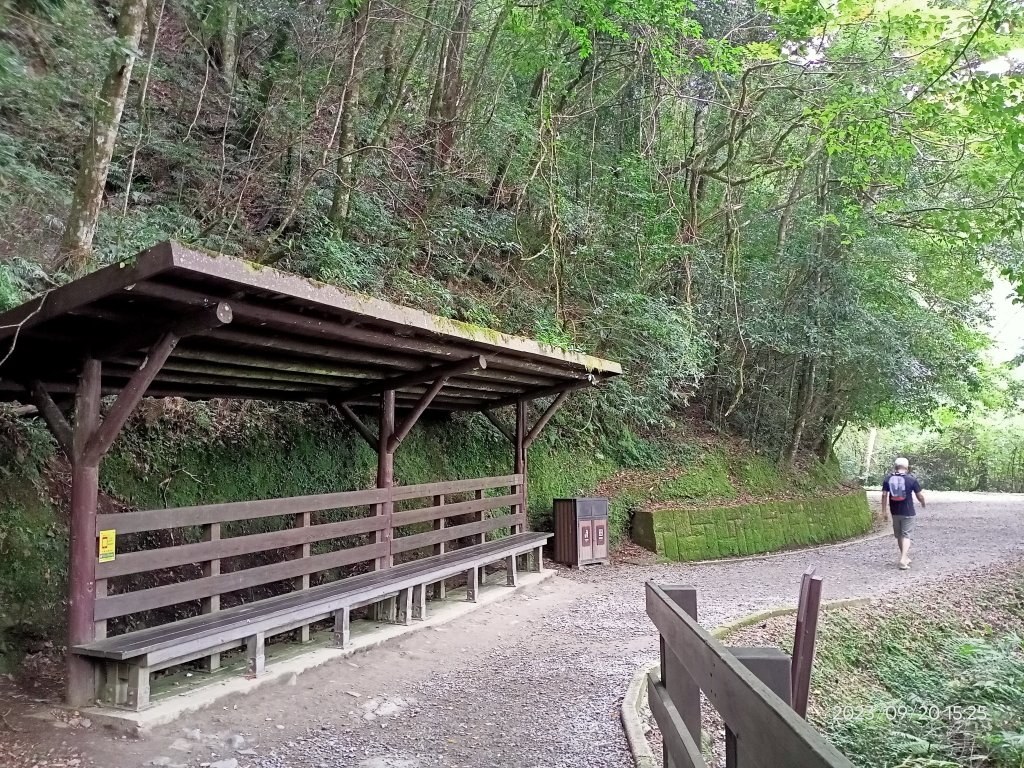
point(722, 632)
point(632, 720)
point(170, 709)
point(633, 702)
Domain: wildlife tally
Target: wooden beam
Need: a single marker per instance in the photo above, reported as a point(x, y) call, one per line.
point(318, 327)
point(519, 447)
point(403, 429)
point(545, 418)
point(499, 426)
point(363, 357)
point(433, 373)
point(53, 417)
point(536, 394)
point(197, 322)
point(129, 397)
point(80, 678)
point(385, 471)
point(357, 424)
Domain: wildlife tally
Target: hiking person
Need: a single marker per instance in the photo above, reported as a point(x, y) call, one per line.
point(898, 491)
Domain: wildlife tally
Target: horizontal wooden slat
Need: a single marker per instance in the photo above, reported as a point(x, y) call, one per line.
point(679, 744)
point(772, 733)
point(171, 594)
point(182, 517)
point(401, 492)
point(429, 538)
point(169, 557)
point(452, 510)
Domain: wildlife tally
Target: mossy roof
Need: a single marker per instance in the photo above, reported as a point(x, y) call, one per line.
point(250, 331)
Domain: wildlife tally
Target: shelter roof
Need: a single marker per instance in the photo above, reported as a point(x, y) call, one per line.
point(248, 331)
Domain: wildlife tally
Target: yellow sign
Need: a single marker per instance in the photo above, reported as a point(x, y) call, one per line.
point(108, 543)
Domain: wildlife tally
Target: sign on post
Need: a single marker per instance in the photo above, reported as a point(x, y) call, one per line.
point(108, 545)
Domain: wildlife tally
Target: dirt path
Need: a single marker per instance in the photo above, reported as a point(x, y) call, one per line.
point(535, 681)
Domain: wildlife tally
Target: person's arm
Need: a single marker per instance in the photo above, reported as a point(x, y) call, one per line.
point(920, 494)
point(885, 504)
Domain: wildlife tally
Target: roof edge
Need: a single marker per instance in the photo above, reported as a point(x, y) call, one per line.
point(247, 272)
point(51, 303)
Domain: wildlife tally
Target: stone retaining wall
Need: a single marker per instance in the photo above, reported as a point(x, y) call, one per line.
point(749, 529)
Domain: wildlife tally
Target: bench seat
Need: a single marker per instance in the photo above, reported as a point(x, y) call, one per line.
point(133, 655)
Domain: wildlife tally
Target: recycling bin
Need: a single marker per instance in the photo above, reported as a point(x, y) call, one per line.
point(581, 531)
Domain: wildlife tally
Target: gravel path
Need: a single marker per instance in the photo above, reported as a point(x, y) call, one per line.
point(536, 681)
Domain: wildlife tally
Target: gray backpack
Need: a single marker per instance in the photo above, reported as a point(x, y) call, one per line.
point(898, 487)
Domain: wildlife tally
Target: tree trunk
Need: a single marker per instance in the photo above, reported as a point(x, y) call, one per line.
point(396, 98)
point(347, 122)
point(869, 452)
point(76, 246)
point(498, 182)
point(389, 65)
point(229, 42)
point(450, 87)
point(805, 400)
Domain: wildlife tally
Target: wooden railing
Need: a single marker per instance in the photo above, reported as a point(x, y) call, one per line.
point(763, 730)
point(364, 538)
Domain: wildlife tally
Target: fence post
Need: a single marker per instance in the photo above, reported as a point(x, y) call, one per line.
point(803, 642)
point(772, 667)
point(682, 689)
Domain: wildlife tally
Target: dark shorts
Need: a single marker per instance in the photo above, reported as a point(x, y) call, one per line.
point(902, 526)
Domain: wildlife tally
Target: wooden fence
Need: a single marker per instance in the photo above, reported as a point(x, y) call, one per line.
point(763, 730)
point(186, 564)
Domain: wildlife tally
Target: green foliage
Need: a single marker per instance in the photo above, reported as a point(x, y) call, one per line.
point(707, 479)
point(761, 477)
point(274, 452)
point(983, 451)
point(33, 540)
point(746, 529)
point(909, 691)
point(650, 180)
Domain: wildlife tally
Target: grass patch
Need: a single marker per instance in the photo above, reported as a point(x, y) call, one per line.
point(936, 683)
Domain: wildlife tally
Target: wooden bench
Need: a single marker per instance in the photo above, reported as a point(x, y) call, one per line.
point(400, 592)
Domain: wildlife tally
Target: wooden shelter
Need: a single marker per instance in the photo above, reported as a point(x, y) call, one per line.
point(174, 322)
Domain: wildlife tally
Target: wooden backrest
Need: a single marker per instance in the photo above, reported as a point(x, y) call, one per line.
point(354, 528)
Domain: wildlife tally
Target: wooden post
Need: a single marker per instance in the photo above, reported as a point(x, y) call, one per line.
point(682, 688)
point(472, 585)
point(386, 468)
point(211, 604)
point(386, 610)
point(406, 606)
point(439, 524)
point(803, 642)
point(81, 683)
point(520, 465)
point(303, 520)
point(772, 667)
point(138, 687)
point(419, 602)
point(254, 651)
point(342, 627)
point(480, 517)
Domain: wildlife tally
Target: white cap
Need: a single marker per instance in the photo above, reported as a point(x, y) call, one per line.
point(901, 463)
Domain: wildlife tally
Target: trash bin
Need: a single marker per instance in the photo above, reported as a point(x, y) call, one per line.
point(581, 531)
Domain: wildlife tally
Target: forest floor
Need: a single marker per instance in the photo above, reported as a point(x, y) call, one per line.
point(534, 681)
